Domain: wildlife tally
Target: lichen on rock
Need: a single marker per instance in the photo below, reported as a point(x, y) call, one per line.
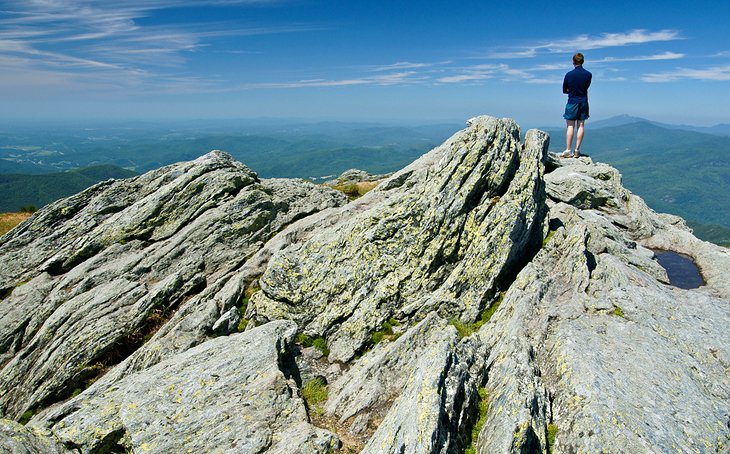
point(121, 307)
point(440, 235)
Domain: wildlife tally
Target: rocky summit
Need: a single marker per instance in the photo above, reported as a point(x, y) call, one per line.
point(491, 297)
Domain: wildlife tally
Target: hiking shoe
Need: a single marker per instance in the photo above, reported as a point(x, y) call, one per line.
point(576, 154)
point(567, 154)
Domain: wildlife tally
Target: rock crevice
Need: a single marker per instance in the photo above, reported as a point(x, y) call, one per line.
point(473, 285)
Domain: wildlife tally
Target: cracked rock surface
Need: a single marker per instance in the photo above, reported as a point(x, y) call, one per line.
point(488, 281)
point(90, 276)
point(591, 340)
point(440, 235)
point(230, 394)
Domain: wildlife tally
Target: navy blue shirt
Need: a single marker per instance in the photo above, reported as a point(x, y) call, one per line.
point(576, 85)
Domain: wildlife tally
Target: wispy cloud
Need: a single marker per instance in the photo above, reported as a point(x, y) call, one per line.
point(520, 53)
point(80, 37)
point(398, 78)
point(662, 56)
point(717, 73)
point(588, 42)
point(552, 67)
point(463, 78)
point(472, 73)
point(545, 81)
point(402, 65)
point(499, 71)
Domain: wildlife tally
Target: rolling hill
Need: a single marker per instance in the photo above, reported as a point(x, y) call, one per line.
point(22, 190)
point(675, 170)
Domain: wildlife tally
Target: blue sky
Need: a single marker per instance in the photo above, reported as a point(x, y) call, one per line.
point(360, 60)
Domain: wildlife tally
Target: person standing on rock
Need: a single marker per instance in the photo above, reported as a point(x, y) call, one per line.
point(575, 85)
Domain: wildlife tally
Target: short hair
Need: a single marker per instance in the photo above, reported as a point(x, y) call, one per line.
point(578, 59)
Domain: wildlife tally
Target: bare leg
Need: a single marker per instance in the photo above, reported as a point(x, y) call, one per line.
point(569, 133)
point(579, 137)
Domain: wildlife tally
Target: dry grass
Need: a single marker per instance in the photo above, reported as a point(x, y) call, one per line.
point(350, 443)
point(10, 220)
point(356, 190)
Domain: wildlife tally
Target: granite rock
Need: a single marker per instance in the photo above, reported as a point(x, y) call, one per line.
point(234, 393)
point(441, 235)
point(140, 285)
point(92, 278)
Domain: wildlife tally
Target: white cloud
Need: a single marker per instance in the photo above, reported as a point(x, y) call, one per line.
point(545, 81)
point(80, 37)
point(463, 78)
point(663, 56)
point(487, 71)
point(717, 73)
point(472, 73)
point(553, 67)
point(304, 83)
point(402, 65)
point(587, 42)
point(525, 53)
point(406, 77)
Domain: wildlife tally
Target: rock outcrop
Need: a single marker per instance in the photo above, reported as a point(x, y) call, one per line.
point(490, 296)
point(592, 345)
point(92, 277)
point(419, 389)
point(443, 234)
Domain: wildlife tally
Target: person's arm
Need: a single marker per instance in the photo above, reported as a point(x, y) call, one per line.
point(590, 78)
point(565, 84)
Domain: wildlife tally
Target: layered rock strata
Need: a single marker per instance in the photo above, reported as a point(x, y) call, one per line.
point(590, 349)
point(441, 235)
point(89, 279)
point(592, 345)
point(230, 394)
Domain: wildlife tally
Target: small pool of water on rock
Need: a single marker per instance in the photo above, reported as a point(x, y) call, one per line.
point(681, 269)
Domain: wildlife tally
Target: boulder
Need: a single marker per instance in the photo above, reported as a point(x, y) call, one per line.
point(354, 176)
point(435, 409)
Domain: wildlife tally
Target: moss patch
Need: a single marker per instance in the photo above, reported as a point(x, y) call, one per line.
point(552, 431)
point(482, 418)
point(314, 392)
point(27, 415)
point(467, 329)
point(548, 237)
point(385, 332)
point(320, 343)
point(248, 292)
point(617, 311)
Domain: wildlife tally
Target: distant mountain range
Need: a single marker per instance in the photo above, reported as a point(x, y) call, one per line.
point(621, 120)
point(684, 170)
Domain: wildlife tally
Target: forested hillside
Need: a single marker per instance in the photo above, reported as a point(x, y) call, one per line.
point(23, 191)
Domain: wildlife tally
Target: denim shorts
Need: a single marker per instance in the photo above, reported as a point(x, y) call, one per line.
point(578, 111)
